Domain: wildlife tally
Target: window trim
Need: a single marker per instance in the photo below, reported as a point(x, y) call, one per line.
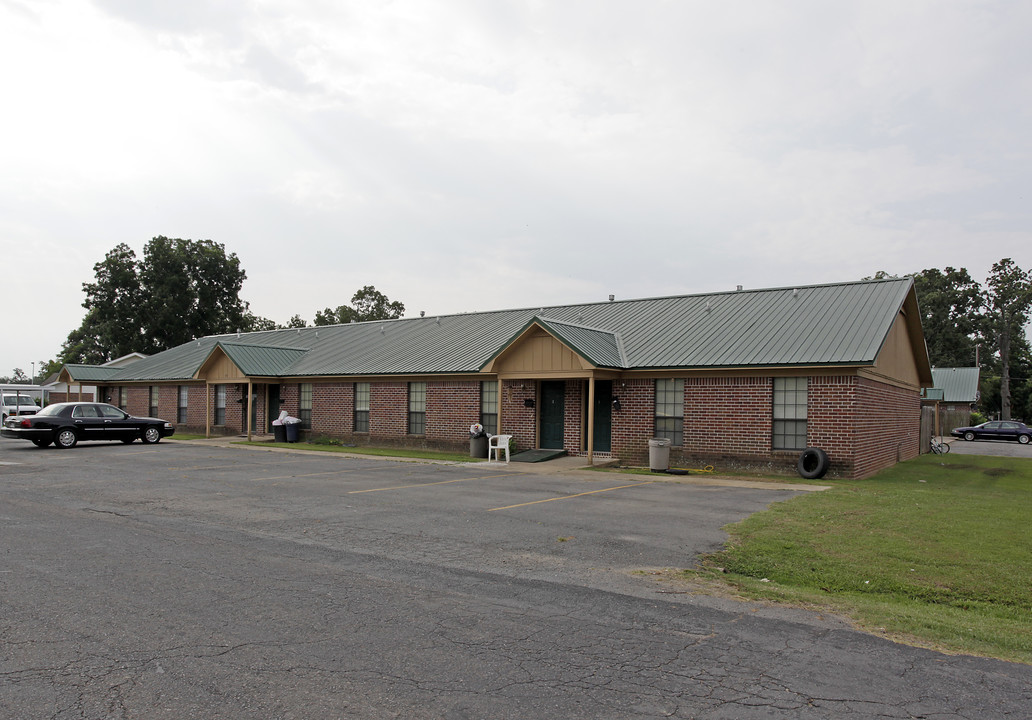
point(219, 406)
point(786, 419)
point(182, 404)
point(489, 400)
point(360, 423)
point(669, 426)
point(305, 403)
point(417, 408)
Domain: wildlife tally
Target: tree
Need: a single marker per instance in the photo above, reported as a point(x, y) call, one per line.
point(1008, 302)
point(366, 304)
point(950, 302)
point(190, 288)
point(297, 322)
point(112, 326)
point(182, 289)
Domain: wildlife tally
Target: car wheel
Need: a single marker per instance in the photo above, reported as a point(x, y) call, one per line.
point(1023, 439)
point(65, 438)
point(969, 436)
point(151, 435)
point(40, 443)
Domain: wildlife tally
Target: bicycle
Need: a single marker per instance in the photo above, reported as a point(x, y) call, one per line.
point(939, 447)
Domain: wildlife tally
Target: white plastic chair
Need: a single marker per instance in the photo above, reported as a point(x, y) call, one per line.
point(497, 443)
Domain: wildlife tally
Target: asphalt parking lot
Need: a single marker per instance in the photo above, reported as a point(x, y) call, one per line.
point(999, 448)
point(190, 580)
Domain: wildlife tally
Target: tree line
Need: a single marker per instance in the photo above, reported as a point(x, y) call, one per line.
point(967, 323)
point(184, 289)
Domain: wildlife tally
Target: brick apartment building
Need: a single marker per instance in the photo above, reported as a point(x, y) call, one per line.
point(737, 379)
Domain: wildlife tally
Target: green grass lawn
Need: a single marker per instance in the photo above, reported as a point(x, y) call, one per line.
point(936, 552)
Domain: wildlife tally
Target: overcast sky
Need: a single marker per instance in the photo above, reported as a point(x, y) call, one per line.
point(464, 155)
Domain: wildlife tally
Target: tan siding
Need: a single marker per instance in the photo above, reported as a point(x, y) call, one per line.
point(541, 354)
point(896, 360)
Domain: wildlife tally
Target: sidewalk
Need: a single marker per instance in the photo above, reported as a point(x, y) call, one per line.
point(567, 466)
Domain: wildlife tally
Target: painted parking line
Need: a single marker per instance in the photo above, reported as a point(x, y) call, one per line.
point(440, 482)
point(569, 497)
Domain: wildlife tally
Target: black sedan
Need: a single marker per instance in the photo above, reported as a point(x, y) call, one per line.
point(66, 424)
point(996, 430)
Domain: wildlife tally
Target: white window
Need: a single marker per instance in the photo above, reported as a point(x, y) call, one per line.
point(220, 404)
point(670, 411)
point(417, 408)
point(362, 407)
point(489, 406)
point(304, 409)
point(790, 413)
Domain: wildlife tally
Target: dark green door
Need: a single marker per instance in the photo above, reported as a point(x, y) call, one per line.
point(274, 407)
point(603, 416)
point(553, 410)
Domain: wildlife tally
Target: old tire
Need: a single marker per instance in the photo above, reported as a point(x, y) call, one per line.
point(65, 438)
point(969, 436)
point(813, 463)
point(151, 435)
point(1023, 439)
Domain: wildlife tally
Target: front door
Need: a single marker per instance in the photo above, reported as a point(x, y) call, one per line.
point(274, 407)
point(603, 416)
point(553, 411)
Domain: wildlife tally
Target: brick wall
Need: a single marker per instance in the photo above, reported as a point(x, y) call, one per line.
point(519, 420)
point(888, 426)
point(451, 407)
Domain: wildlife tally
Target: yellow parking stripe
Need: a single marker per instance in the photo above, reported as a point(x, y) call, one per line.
point(441, 482)
point(567, 497)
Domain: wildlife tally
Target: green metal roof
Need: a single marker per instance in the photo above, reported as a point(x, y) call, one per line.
point(91, 373)
point(842, 324)
point(959, 385)
point(261, 360)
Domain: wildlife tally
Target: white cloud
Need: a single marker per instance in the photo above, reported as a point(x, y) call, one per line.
point(515, 153)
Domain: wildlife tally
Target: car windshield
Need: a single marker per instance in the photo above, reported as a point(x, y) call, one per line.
point(18, 400)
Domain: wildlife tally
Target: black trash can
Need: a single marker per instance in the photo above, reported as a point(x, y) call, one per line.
point(279, 433)
point(292, 429)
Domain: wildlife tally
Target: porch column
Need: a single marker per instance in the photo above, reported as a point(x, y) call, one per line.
point(498, 429)
point(591, 420)
point(247, 406)
point(207, 409)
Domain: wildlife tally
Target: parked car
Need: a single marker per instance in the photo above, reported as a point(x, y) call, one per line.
point(16, 404)
point(66, 424)
point(996, 430)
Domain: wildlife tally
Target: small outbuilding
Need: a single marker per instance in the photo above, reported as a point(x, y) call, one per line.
point(746, 379)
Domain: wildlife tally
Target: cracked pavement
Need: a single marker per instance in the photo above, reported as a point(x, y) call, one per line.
point(186, 580)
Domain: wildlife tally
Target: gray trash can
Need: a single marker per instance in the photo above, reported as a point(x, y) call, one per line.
point(478, 447)
point(292, 431)
point(659, 454)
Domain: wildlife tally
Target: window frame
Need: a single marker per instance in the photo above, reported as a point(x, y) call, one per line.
point(489, 406)
point(182, 404)
point(363, 390)
point(219, 405)
point(789, 413)
point(417, 408)
point(305, 402)
point(668, 410)
point(153, 397)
